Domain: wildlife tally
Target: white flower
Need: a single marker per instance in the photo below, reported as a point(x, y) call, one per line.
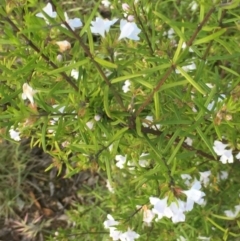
point(223, 175)
point(193, 5)
point(226, 155)
point(181, 238)
point(148, 216)
point(97, 117)
point(187, 68)
point(187, 179)
point(73, 23)
point(14, 134)
point(126, 86)
point(204, 177)
point(48, 10)
point(194, 195)
point(114, 233)
point(75, 73)
point(148, 123)
point(184, 45)
point(130, 18)
point(100, 26)
point(188, 141)
point(63, 45)
point(204, 238)
point(125, 7)
point(129, 235)
point(238, 156)
point(219, 147)
point(233, 214)
point(110, 222)
point(143, 162)
point(90, 124)
point(28, 92)
point(129, 30)
point(106, 3)
point(59, 58)
point(177, 209)
point(160, 206)
point(109, 187)
point(170, 33)
point(121, 160)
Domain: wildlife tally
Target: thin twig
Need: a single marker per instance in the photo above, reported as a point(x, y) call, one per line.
point(45, 57)
point(97, 65)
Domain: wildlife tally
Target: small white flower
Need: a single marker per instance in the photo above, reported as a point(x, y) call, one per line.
point(100, 26)
point(219, 147)
point(114, 233)
point(204, 238)
point(204, 177)
point(14, 134)
point(181, 238)
point(184, 45)
point(48, 10)
point(129, 235)
point(188, 141)
point(226, 155)
point(186, 68)
point(106, 3)
point(160, 206)
point(187, 179)
point(121, 160)
point(59, 58)
point(75, 73)
point(110, 222)
point(126, 86)
point(223, 175)
point(129, 30)
point(170, 33)
point(193, 6)
point(73, 23)
point(130, 18)
point(63, 45)
point(109, 187)
point(238, 156)
point(90, 124)
point(194, 195)
point(233, 214)
point(28, 93)
point(125, 7)
point(97, 117)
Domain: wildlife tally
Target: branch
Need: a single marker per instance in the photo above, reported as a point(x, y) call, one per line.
point(45, 57)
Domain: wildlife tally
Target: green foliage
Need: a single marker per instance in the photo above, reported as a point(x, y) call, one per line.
point(176, 96)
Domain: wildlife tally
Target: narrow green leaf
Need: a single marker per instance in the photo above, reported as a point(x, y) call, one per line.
point(206, 141)
point(43, 135)
point(139, 126)
point(88, 22)
point(171, 141)
point(157, 105)
point(105, 101)
point(190, 80)
point(118, 135)
point(177, 52)
point(123, 78)
point(210, 37)
point(67, 68)
point(229, 70)
point(105, 63)
point(176, 150)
